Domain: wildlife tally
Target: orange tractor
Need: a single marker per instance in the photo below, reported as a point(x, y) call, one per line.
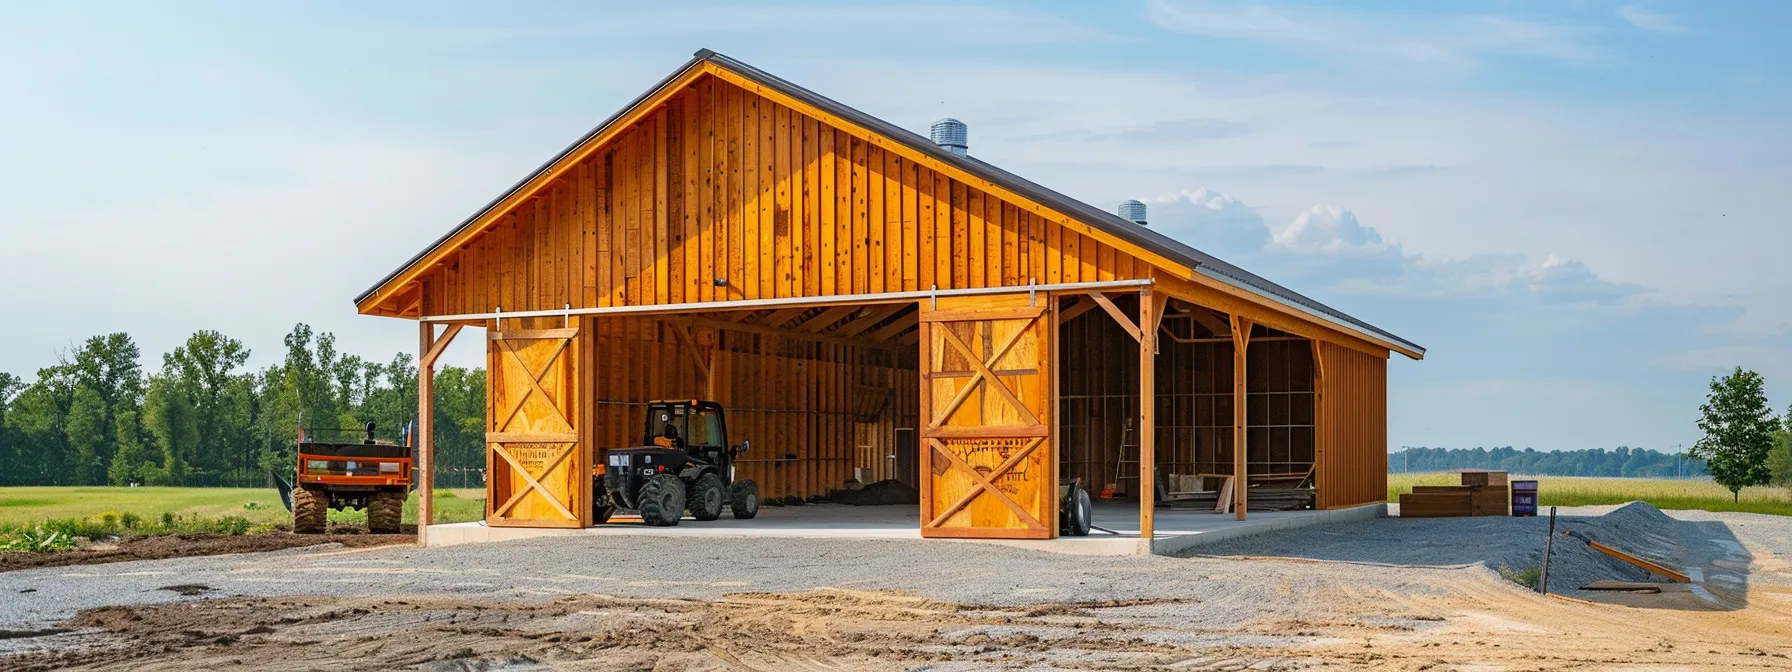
point(337, 470)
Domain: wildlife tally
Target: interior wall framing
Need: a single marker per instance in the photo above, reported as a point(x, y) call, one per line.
point(1099, 402)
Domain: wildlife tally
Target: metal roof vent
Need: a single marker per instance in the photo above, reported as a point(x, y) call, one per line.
point(1133, 211)
point(952, 134)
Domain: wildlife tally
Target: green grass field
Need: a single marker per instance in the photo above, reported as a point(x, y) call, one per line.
point(1659, 492)
point(27, 506)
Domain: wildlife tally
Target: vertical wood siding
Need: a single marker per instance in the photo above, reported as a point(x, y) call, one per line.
point(1353, 428)
point(723, 183)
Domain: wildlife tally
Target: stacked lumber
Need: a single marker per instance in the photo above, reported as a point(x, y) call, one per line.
point(1445, 501)
point(1183, 491)
point(1482, 493)
point(1279, 499)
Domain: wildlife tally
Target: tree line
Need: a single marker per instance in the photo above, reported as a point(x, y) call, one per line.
point(1623, 461)
point(204, 418)
point(1743, 444)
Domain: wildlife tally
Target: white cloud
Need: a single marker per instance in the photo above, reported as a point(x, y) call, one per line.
point(1456, 40)
point(1329, 228)
point(1639, 15)
point(1327, 250)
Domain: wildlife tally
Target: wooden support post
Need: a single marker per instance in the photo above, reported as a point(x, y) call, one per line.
point(1320, 425)
point(1241, 339)
point(429, 349)
point(1149, 311)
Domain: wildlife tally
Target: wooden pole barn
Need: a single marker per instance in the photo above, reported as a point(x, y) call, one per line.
point(869, 305)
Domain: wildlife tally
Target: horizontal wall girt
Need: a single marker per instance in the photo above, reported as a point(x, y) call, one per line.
point(750, 304)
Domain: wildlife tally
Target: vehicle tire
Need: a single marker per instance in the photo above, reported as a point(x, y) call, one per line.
point(385, 512)
point(707, 497)
point(662, 500)
point(1082, 513)
point(743, 499)
point(310, 510)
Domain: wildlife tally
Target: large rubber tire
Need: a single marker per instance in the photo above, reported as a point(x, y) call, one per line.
point(310, 510)
point(662, 500)
point(385, 512)
point(743, 499)
point(1082, 513)
point(707, 498)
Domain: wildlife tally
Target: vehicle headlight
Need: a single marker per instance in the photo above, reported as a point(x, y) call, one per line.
point(388, 467)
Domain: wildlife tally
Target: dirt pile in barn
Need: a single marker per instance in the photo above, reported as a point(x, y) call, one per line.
point(881, 493)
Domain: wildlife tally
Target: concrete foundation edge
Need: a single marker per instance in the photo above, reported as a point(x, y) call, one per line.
point(1180, 543)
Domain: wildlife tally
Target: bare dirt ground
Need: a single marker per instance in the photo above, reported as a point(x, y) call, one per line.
point(148, 547)
point(720, 604)
point(1482, 625)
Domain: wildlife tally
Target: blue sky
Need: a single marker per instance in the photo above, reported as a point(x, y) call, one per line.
point(1575, 205)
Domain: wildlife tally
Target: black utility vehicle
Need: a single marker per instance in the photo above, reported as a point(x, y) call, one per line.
point(684, 463)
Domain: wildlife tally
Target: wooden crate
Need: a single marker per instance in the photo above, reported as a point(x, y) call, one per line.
point(1484, 478)
point(1443, 489)
point(1435, 505)
point(1490, 501)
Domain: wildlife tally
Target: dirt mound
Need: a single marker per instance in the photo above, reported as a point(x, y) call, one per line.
point(125, 549)
point(881, 493)
point(824, 629)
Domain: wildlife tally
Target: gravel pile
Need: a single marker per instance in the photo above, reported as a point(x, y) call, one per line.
point(1515, 544)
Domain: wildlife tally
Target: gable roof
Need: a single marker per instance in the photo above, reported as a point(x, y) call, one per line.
point(1107, 222)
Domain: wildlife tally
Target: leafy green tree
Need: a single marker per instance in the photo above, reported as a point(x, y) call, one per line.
point(460, 424)
point(9, 441)
point(132, 458)
point(390, 397)
point(89, 435)
point(1779, 459)
point(1738, 427)
point(37, 416)
point(170, 418)
point(107, 364)
point(204, 370)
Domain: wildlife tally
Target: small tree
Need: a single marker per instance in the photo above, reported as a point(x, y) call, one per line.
point(1779, 459)
point(1738, 429)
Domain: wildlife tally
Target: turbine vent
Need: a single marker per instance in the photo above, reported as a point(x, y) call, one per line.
point(953, 135)
point(1133, 211)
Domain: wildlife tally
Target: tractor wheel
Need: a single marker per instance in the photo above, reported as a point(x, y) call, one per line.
point(706, 499)
point(743, 499)
point(1082, 513)
point(385, 511)
point(662, 500)
point(310, 510)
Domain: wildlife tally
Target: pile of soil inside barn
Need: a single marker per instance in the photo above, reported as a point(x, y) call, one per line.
point(155, 547)
point(881, 493)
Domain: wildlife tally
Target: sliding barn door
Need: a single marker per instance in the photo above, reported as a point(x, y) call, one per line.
point(988, 462)
point(538, 472)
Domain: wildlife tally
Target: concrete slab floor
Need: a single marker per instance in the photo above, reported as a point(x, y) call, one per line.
point(1175, 530)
